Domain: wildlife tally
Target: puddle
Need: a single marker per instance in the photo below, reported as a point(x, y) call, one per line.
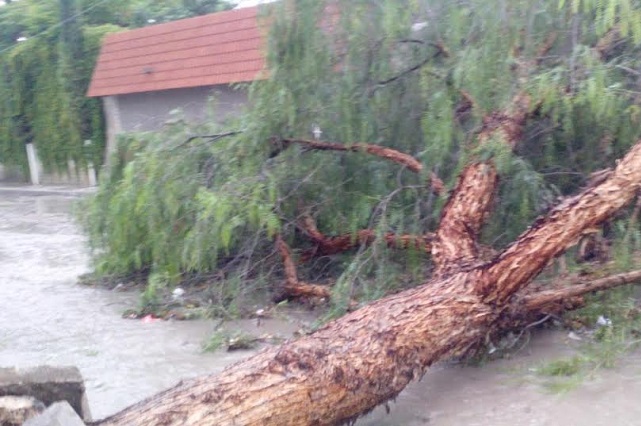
point(47, 318)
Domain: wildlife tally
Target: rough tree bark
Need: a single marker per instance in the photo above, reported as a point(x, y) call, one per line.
point(325, 246)
point(293, 286)
point(367, 357)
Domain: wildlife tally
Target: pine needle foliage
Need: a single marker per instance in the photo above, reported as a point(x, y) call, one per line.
point(414, 75)
point(156, 210)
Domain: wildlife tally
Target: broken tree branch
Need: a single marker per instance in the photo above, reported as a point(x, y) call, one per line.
point(293, 287)
point(551, 235)
point(455, 245)
point(546, 47)
point(440, 50)
point(210, 138)
point(538, 302)
point(531, 304)
point(412, 164)
point(326, 246)
point(379, 151)
point(408, 71)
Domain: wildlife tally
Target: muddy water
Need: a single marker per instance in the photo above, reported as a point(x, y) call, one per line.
point(46, 318)
point(509, 393)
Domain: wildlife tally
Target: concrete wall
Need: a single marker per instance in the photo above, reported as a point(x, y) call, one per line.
point(149, 111)
point(39, 176)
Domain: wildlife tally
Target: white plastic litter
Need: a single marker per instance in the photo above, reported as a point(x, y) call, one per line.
point(603, 321)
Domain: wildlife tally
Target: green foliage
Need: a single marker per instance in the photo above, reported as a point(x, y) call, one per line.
point(45, 78)
point(45, 81)
point(562, 367)
point(173, 208)
point(624, 15)
point(422, 80)
point(234, 341)
point(216, 341)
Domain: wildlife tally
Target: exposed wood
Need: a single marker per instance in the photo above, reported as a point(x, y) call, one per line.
point(549, 236)
point(538, 302)
point(379, 151)
point(393, 155)
point(367, 357)
point(535, 302)
point(328, 245)
point(546, 46)
point(333, 375)
point(607, 42)
point(455, 245)
point(346, 242)
point(465, 105)
point(294, 288)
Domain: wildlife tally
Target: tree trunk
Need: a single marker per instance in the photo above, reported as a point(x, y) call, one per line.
point(367, 357)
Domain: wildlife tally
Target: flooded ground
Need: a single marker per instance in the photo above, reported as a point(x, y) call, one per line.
point(47, 318)
point(509, 392)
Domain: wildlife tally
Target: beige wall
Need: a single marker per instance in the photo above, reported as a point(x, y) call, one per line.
point(150, 110)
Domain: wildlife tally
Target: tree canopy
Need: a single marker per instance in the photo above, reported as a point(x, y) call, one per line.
point(419, 77)
point(47, 54)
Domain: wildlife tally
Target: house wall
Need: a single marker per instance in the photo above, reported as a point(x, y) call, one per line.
point(148, 111)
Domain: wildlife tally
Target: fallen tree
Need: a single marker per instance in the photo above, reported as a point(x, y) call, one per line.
point(367, 357)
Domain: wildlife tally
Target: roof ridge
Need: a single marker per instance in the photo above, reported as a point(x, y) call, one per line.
point(174, 40)
point(152, 28)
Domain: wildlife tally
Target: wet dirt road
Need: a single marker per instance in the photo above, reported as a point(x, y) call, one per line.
point(510, 393)
point(45, 317)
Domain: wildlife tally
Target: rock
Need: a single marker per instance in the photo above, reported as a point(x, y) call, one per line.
point(58, 414)
point(47, 384)
point(15, 410)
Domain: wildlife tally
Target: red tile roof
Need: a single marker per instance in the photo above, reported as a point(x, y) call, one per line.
point(219, 48)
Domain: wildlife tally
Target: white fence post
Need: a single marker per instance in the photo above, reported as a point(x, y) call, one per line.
point(34, 164)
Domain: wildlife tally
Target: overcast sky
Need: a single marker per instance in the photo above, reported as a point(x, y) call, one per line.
point(248, 3)
point(240, 3)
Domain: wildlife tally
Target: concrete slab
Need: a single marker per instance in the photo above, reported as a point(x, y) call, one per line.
point(47, 384)
point(15, 410)
point(58, 414)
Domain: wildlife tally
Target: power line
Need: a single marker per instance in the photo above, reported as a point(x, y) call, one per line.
point(59, 24)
